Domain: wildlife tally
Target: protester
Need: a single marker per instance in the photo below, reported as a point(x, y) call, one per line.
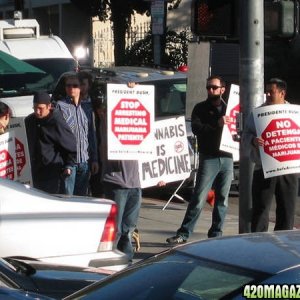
point(215, 166)
point(52, 145)
point(284, 187)
point(80, 120)
point(86, 81)
point(5, 114)
point(120, 182)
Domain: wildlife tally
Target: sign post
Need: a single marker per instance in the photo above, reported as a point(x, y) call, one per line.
point(158, 12)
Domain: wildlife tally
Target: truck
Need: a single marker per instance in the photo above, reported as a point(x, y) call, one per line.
point(21, 38)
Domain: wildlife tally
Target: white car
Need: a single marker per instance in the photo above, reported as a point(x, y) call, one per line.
point(67, 230)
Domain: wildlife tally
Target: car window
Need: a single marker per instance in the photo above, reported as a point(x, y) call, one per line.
point(170, 97)
point(13, 85)
point(24, 84)
point(175, 277)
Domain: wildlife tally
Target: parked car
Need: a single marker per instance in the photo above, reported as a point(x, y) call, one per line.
point(217, 268)
point(16, 294)
point(62, 229)
point(52, 280)
point(170, 86)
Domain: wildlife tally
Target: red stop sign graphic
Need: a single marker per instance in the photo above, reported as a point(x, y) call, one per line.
point(20, 156)
point(282, 140)
point(130, 122)
point(232, 114)
point(6, 165)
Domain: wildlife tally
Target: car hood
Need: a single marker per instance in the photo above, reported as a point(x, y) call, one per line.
point(269, 252)
point(54, 280)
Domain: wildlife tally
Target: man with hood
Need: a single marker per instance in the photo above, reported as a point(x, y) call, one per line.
point(215, 166)
point(52, 145)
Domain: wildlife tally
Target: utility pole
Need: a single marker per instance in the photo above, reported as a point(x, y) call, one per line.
point(158, 20)
point(251, 92)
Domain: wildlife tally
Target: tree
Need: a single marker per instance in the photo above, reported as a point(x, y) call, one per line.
point(176, 53)
point(119, 12)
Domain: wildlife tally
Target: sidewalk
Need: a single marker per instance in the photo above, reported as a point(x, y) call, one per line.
point(155, 224)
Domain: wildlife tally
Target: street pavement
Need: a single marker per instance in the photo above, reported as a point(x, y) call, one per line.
point(156, 224)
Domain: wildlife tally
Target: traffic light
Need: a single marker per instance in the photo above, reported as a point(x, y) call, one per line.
point(213, 18)
point(280, 18)
point(220, 18)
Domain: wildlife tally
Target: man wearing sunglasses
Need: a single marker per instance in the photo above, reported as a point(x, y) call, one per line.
point(215, 166)
point(80, 121)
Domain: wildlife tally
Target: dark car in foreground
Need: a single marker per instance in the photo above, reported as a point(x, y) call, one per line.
point(218, 268)
point(52, 280)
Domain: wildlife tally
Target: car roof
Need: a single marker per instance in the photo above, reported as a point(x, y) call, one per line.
point(124, 74)
point(269, 252)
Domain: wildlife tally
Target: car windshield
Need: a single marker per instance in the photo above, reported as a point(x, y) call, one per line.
point(12, 85)
point(176, 276)
point(170, 97)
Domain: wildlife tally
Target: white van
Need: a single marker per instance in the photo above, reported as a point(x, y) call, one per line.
point(22, 39)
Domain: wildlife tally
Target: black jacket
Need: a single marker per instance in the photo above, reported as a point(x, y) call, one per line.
point(205, 126)
point(52, 145)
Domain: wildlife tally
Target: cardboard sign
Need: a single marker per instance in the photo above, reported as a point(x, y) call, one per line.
point(228, 144)
point(8, 168)
point(17, 126)
point(130, 119)
point(172, 159)
point(279, 126)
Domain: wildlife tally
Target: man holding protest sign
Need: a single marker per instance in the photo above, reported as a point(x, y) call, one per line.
point(215, 166)
point(285, 186)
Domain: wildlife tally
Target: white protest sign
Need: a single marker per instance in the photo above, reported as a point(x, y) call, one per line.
point(17, 125)
point(227, 143)
point(279, 126)
point(130, 120)
point(8, 168)
point(172, 160)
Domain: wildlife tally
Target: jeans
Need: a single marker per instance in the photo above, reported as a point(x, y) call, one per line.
point(77, 183)
point(212, 170)
point(128, 201)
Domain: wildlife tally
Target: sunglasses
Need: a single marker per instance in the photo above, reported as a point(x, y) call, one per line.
point(72, 85)
point(213, 87)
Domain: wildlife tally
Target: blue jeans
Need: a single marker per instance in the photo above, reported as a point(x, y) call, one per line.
point(77, 183)
point(212, 170)
point(128, 201)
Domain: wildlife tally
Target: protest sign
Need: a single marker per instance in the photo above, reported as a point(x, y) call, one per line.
point(228, 144)
point(130, 119)
point(17, 126)
point(172, 160)
point(279, 126)
point(8, 168)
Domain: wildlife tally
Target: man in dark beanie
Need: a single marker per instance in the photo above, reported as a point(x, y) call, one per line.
point(52, 145)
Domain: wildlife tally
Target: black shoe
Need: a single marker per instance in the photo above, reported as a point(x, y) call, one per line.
point(176, 240)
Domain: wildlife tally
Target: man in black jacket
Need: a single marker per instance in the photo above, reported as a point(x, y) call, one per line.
point(215, 166)
point(52, 145)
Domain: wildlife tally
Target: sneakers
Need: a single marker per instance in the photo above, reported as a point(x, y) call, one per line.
point(176, 240)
